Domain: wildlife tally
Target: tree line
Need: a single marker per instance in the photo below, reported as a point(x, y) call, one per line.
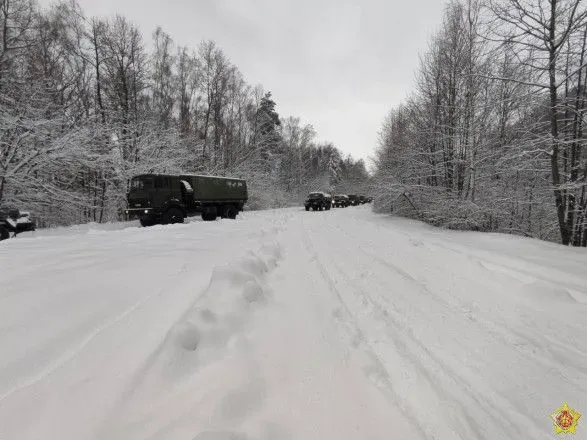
point(492, 137)
point(84, 106)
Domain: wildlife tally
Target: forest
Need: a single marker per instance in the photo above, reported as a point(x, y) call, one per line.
point(84, 106)
point(492, 138)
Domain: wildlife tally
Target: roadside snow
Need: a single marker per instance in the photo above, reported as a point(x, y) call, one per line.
point(289, 324)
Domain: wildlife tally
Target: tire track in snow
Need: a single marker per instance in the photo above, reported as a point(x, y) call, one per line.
point(349, 323)
point(550, 356)
point(526, 344)
point(383, 382)
point(442, 365)
point(420, 356)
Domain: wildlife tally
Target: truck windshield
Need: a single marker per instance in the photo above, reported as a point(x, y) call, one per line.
point(141, 183)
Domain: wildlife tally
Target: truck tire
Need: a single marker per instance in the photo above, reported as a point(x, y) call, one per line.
point(307, 208)
point(230, 212)
point(146, 222)
point(209, 214)
point(328, 207)
point(173, 216)
point(4, 234)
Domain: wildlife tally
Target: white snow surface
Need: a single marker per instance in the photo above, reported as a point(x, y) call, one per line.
point(288, 324)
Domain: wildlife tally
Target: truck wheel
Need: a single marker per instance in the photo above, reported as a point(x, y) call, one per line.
point(4, 234)
point(230, 212)
point(173, 216)
point(328, 207)
point(307, 208)
point(146, 222)
point(209, 214)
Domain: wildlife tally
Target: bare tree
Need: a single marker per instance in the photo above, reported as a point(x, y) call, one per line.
point(539, 32)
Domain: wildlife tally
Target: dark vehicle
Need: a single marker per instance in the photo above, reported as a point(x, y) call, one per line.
point(25, 222)
point(318, 201)
point(340, 201)
point(362, 200)
point(15, 221)
point(164, 199)
point(353, 199)
point(369, 199)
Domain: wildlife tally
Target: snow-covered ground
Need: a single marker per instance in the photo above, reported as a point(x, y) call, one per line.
point(289, 324)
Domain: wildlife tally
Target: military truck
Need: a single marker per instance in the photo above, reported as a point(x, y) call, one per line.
point(167, 199)
point(318, 201)
point(353, 199)
point(340, 201)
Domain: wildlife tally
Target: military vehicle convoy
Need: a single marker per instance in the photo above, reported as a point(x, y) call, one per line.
point(167, 199)
point(318, 201)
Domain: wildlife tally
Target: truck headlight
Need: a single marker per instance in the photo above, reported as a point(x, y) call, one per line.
point(146, 211)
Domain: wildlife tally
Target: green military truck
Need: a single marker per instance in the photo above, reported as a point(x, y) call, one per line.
point(318, 201)
point(164, 199)
point(341, 201)
point(353, 199)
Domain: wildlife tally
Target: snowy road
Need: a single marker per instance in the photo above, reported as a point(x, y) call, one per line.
point(289, 324)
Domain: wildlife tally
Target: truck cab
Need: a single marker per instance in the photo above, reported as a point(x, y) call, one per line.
point(353, 199)
point(156, 199)
point(318, 201)
point(341, 201)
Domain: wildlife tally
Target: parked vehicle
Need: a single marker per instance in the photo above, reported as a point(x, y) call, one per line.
point(318, 201)
point(164, 199)
point(14, 221)
point(25, 222)
point(341, 201)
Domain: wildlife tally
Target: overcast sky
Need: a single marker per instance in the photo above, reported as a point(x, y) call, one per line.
point(339, 65)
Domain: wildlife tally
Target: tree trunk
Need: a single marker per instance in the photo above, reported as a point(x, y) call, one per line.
point(554, 165)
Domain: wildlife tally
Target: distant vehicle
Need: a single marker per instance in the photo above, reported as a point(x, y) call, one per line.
point(353, 199)
point(25, 222)
point(340, 201)
point(15, 221)
point(167, 199)
point(318, 201)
